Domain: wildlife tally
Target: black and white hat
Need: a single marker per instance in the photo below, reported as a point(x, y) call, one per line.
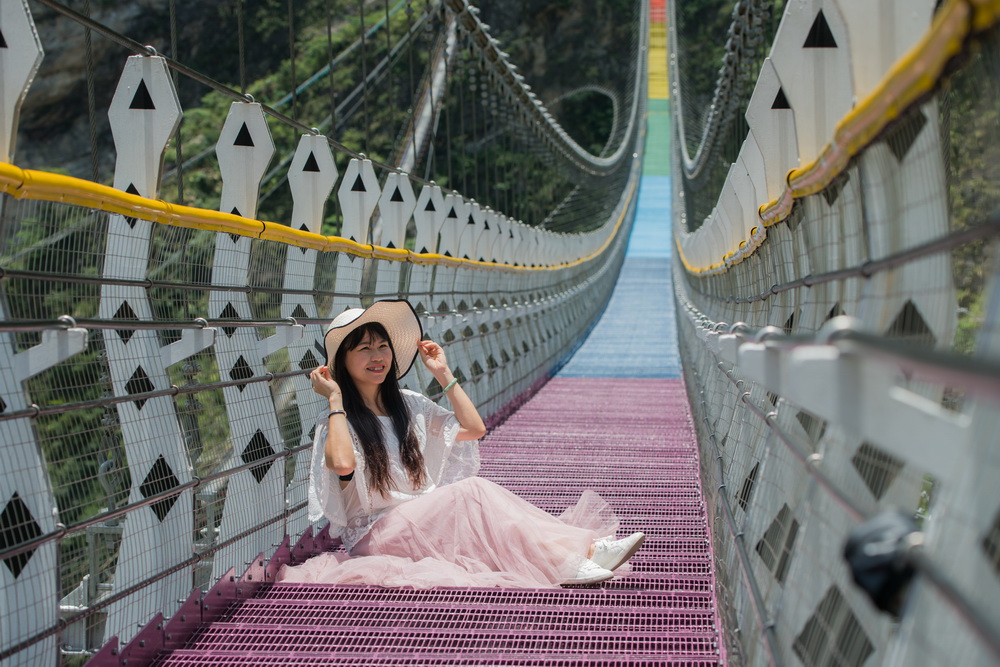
point(400, 322)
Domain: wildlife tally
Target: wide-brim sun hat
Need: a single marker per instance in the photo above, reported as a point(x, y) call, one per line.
point(400, 322)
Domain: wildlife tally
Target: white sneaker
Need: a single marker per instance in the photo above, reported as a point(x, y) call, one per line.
point(589, 572)
point(610, 553)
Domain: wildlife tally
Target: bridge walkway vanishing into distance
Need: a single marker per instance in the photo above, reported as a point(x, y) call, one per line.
point(762, 321)
point(615, 419)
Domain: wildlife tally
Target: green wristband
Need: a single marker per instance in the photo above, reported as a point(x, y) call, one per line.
point(451, 384)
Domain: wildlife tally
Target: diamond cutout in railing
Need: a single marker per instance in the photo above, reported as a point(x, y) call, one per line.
point(303, 228)
point(434, 388)
point(132, 190)
point(17, 526)
point(300, 313)
point(139, 383)
point(160, 479)
point(308, 361)
point(241, 371)
point(877, 467)
point(831, 193)
point(229, 313)
point(991, 544)
point(833, 635)
point(125, 312)
point(3, 405)
point(904, 133)
point(258, 448)
point(775, 548)
point(815, 428)
point(743, 498)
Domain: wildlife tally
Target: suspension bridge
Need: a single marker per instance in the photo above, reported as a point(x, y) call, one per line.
point(757, 315)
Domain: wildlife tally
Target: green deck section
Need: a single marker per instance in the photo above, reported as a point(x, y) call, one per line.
point(657, 161)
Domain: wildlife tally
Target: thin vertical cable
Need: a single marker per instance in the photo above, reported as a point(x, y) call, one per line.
point(364, 72)
point(475, 149)
point(482, 98)
point(447, 119)
point(329, 60)
point(388, 57)
point(412, 92)
point(91, 99)
point(461, 115)
point(178, 143)
point(291, 58)
point(242, 46)
point(432, 143)
point(509, 141)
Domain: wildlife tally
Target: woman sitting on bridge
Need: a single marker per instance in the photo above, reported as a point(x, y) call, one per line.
point(394, 473)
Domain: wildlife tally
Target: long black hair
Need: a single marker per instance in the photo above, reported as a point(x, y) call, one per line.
point(365, 423)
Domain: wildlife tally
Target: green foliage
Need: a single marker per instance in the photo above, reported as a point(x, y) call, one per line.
point(971, 131)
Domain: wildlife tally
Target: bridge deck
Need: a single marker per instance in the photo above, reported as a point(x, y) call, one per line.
point(615, 420)
point(628, 439)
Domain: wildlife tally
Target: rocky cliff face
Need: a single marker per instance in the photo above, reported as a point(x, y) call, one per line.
point(55, 126)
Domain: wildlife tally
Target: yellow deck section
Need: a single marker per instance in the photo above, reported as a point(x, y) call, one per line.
point(658, 86)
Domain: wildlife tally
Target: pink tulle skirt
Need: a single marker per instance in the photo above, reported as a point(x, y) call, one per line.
point(470, 533)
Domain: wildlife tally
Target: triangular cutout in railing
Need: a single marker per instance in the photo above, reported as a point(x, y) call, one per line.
point(142, 99)
point(820, 36)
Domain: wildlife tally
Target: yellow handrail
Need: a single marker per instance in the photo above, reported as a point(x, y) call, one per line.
point(46, 186)
point(909, 80)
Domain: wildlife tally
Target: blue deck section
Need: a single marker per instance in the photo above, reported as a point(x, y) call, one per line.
point(651, 235)
point(637, 335)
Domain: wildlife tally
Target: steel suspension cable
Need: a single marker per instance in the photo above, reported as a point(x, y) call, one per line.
point(242, 46)
point(91, 98)
point(291, 57)
point(178, 141)
point(364, 71)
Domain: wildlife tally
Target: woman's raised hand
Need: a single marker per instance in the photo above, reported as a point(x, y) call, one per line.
point(323, 382)
point(433, 357)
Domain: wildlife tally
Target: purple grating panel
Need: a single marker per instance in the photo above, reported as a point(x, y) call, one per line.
point(631, 441)
point(453, 659)
point(522, 597)
point(274, 638)
point(465, 617)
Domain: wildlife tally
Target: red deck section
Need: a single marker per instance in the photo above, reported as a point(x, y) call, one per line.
point(629, 440)
point(658, 11)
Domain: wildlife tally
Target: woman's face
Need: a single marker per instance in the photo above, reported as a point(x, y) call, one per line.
point(370, 361)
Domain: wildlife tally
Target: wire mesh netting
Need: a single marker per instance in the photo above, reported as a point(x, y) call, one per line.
point(155, 404)
point(894, 248)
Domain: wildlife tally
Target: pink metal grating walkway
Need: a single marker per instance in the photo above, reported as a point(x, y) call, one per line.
point(615, 420)
point(631, 441)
